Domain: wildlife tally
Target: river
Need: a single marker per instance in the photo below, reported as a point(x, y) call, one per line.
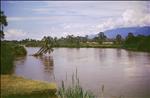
point(122, 72)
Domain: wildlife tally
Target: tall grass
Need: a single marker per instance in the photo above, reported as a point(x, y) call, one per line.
point(75, 90)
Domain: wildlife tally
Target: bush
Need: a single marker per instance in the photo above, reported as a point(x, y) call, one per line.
point(8, 52)
point(144, 44)
point(19, 50)
point(7, 58)
point(138, 43)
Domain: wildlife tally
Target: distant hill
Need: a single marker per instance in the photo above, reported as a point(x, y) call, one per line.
point(124, 31)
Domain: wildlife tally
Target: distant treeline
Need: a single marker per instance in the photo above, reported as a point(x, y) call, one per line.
point(132, 42)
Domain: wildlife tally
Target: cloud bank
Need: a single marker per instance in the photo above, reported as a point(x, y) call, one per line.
point(130, 18)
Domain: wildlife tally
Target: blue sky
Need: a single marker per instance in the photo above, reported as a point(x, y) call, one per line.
point(35, 19)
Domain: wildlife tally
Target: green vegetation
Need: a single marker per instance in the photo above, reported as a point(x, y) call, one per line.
point(100, 38)
point(19, 50)
point(75, 90)
point(137, 43)
point(8, 53)
point(7, 58)
point(71, 41)
point(119, 39)
point(18, 87)
point(131, 42)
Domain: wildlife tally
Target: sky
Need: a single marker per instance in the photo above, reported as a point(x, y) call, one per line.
point(35, 19)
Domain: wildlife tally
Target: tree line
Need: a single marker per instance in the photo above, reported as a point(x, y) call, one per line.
point(139, 42)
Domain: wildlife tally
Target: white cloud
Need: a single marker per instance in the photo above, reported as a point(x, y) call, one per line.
point(15, 34)
point(30, 18)
point(41, 10)
point(14, 18)
point(129, 18)
point(67, 26)
point(136, 18)
point(45, 18)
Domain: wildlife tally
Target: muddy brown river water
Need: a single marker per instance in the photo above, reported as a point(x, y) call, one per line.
point(121, 72)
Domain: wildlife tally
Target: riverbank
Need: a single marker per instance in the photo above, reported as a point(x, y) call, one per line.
point(16, 87)
point(135, 46)
point(83, 45)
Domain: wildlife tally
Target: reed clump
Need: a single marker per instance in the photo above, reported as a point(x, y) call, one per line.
point(73, 91)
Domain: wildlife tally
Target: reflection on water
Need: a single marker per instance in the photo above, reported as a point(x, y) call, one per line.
point(121, 72)
point(21, 60)
point(48, 63)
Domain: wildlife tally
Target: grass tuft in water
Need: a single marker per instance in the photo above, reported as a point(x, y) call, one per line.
point(75, 90)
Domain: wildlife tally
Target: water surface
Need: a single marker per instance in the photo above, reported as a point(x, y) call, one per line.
point(121, 72)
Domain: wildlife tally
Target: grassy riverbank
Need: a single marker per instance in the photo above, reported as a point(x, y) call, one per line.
point(18, 87)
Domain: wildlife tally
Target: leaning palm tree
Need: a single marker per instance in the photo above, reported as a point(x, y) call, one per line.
point(46, 48)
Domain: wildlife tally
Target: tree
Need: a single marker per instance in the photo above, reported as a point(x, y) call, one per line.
point(130, 39)
point(78, 41)
point(118, 38)
point(86, 38)
point(130, 35)
point(47, 47)
point(70, 39)
point(3, 22)
point(55, 40)
point(144, 43)
point(101, 37)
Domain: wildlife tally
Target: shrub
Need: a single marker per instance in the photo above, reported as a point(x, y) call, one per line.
point(7, 58)
point(8, 52)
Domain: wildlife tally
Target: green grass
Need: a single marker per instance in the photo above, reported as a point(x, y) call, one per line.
point(31, 96)
point(18, 87)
